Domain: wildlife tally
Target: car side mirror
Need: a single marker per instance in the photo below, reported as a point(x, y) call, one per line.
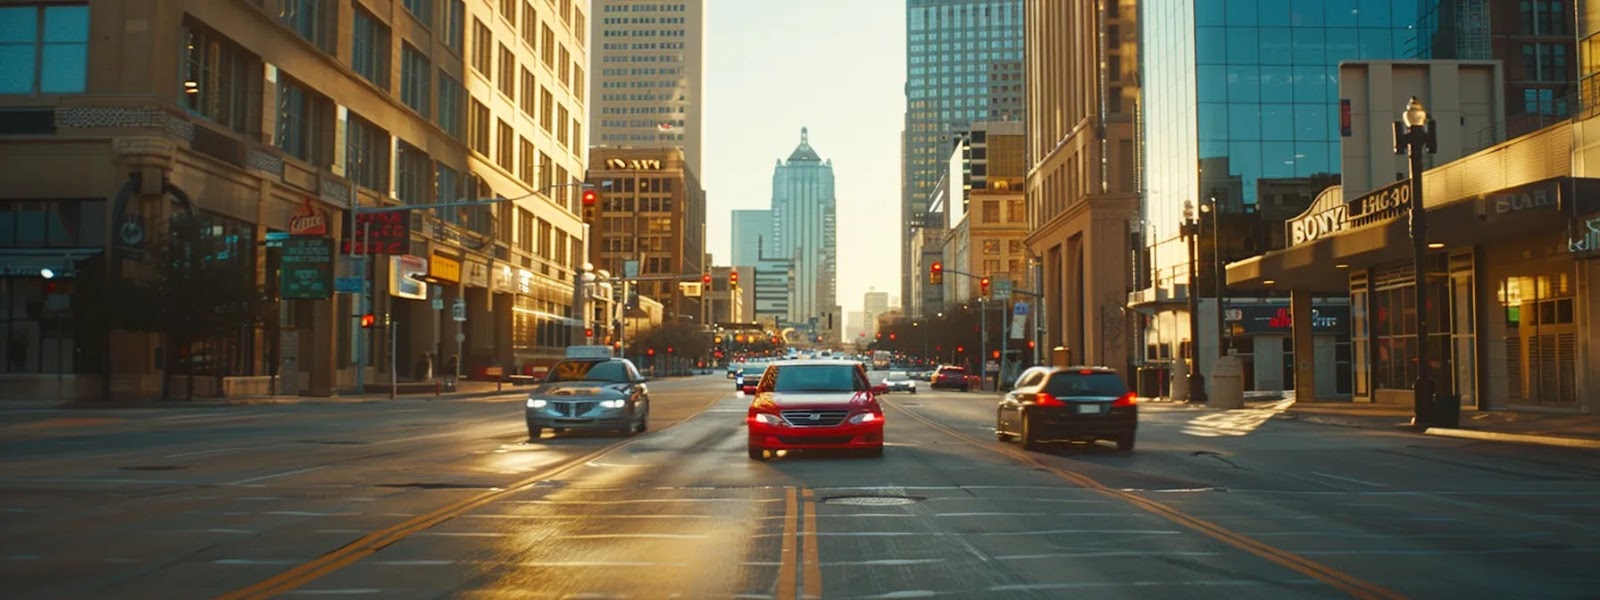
point(749, 390)
point(880, 389)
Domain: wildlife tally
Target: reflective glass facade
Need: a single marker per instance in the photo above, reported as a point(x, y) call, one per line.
point(963, 64)
point(1246, 92)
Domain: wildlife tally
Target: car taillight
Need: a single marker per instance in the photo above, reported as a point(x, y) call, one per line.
point(1043, 399)
point(1128, 399)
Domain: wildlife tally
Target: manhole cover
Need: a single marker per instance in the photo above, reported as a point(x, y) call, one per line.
point(152, 468)
point(871, 500)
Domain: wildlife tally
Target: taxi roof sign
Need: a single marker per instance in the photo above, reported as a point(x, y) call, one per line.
point(598, 351)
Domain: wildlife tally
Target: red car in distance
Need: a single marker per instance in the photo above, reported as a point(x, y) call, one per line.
point(814, 405)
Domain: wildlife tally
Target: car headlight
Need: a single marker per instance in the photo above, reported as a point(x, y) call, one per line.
point(767, 419)
point(537, 403)
point(865, 418)
point(612, 403)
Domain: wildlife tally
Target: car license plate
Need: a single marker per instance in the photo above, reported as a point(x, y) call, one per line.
point(1088, 409)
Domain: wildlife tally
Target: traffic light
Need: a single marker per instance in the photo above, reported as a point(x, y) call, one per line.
point(706, 279)
point(937, 275)
point(590, 197)
point(983, 284)
point(891, 337)
point(994, 354)
point(961, 349)
point(733, 278)
point(650, 352)
point(588, 332)
point(367, 320)
point(669, 349)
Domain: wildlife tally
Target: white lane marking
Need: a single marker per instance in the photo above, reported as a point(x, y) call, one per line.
point(637, 501)
point(18, 510)
point(415, 563)
point(255, 561)
point(1348, 479)
point(460, 534)
point(1035, 587)
point(897, 595)
point(999, 514)
point(612, 465)
point(1107, 554)
point(635, 536)
point(277, 475)
point(202, 452)
point(308, 513)
point(888, 562)
point(600, 563)
point(341, 531)
point(1448, 552)
point(98, 480)
point(261, 498)
point(235, 531)
point(344, 592)
point(533, 517)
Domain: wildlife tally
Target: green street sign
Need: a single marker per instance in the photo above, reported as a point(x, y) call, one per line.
point(305, 270)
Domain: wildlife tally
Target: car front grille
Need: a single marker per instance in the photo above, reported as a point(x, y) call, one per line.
point(572, 409)
point(814, 418)
point(813, 441)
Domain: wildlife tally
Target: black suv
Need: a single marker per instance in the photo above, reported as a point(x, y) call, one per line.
point(1076, 404)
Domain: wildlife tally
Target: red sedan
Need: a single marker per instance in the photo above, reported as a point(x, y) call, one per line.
point(815, 405)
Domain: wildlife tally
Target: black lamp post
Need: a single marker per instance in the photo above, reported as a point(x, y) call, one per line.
point(1219, 281)
point(1412, 136)
point(1191, 230)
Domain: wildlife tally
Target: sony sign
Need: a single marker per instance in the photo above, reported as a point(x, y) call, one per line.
point(636, 164)
point(1312, 227)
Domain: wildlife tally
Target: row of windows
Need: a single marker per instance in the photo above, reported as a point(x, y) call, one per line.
point(637, 46)
point(554, 56)
point(643, 58)
point(643, 110)
point(612, 85)
point(646, 8)
point(34, 37)
point(639, 72)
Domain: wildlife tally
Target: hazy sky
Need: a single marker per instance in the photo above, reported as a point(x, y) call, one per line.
point(835, 66)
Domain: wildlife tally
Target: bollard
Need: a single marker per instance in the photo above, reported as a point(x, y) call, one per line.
point(1227, 382)
point(438, 386)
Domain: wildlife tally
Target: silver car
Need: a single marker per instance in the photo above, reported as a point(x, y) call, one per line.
point(899, 381)
point(606, 394)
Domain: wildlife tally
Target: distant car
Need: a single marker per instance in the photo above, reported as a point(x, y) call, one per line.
point(813, 405)
point(589, 393)
point(748, 376)
point(734, 369)
point(900, 381)
point(1068, 404)
point(954, 378)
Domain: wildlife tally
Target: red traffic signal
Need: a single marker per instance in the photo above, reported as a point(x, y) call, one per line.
point(936, 275)
point(733, 277)
point(650, 352)
point(669, 349)
point(995, 354)
point(588, 332)
point(891, 337)
point(367, 320)
point(961, 349)
point(706, 279)
point(590, 197)
point(984, 284)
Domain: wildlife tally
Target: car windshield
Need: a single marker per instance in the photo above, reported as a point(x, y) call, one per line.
point(610, 371)
point(897, 376)
point(817, 378)
point(957, 371)
point(1065, 385)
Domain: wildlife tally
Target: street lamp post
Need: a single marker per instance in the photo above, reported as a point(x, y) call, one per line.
point(1191, 230)
point(1413, 135)
point(1219, 282)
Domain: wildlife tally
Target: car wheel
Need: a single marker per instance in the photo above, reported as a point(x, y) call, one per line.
point(999, 431)
point(1029, 442)
point(534, 433)
point(1125, 443)
point(756, 453)
point(644, 420)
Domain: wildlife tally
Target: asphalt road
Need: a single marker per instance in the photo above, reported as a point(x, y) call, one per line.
point(436, 499)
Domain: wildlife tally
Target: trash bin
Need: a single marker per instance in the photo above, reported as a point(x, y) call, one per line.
point(1227, 383)
point(1149, 383)
point(1446, 411)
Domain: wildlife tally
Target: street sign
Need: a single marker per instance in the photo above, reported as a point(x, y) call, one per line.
point(460, 337)
point(458, 311)
point(438, 303)
point(1002, 290)
point(1020, 309)
point(630, 269)
point(380, 233)
point(306, 269)
point(347, 285)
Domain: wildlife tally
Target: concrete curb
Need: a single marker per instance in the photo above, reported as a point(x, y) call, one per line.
point(1519, 438)
point(279, 400)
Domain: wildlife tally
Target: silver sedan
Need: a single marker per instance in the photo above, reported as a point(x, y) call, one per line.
point(590, 394)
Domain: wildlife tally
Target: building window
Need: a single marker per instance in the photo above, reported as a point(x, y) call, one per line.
point(508, 72)
point(564, 66)
point(367, 154)
point(547, 46)
point(34, 37)
point(369, 49)
point(53, 223)
point(530, 26)
point(525, 230)
point(1541, 339)
point(451, 110)
point(415, 72)
point(561, 125)
point(422, 10)
point(217, 79)
point(577, 82)
point(546, 109)
point(478, 127)
point(447, 187)
point(547, 173)
point(525, 162)
point(302, 116)
point(505, 145)
point(577, 138)
point(580, 27)
point(530, 93)
point(310, 19)
point(508, 9)
point(455, 24)
point(482, 48)
point(413, 171)
point(543, 244)
point(991, 211)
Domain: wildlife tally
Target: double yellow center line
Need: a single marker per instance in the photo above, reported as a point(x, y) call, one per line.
point(799, 569)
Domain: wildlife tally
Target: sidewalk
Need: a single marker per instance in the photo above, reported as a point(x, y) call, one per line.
point(464, 390)
point(1552, 429)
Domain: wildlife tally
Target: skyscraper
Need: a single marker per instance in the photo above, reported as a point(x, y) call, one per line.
point(648, 75)
point(963, 64)
point(751, 230)
point(803, 215)
point(873, 303)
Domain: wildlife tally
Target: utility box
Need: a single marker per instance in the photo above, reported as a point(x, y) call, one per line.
point(1227, 383)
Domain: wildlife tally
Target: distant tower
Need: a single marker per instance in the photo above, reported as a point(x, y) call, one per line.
point(803, 214)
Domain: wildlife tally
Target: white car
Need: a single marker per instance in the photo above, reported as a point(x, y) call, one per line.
point(899, 381)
